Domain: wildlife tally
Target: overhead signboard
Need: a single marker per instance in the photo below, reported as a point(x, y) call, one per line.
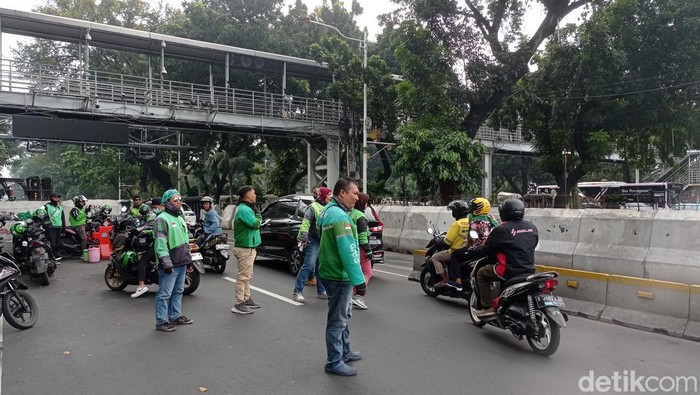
point(35, 127)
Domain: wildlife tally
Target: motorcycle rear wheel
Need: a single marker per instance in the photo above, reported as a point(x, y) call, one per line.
point(472, 311)
point(548, 343)
point(44, 278)
point(114, 279)
point(220, 267)
point(20, 309)
point(427, 283)
point(191, 282)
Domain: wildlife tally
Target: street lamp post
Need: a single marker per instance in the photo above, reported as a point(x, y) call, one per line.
point(363, 42)
point(566, 154)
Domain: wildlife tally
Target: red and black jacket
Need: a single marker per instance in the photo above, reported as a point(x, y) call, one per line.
point(511, 246)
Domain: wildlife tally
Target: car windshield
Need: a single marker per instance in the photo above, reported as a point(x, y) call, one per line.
point(185, 207)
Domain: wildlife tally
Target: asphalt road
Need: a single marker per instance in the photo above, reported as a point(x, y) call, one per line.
point(90, 340)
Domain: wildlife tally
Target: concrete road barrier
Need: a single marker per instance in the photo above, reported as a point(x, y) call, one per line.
point(585, 293)
point(559, 233)
point(674, 248)
point(227, 218)
point(613, 242)
point(651, 305)
point(418, 259)
point(692, 331)
point(415, 228)
point(393, 218)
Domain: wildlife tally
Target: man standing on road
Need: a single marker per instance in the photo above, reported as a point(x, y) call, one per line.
point(56, 224)
point(339, 270)
point(173, 255)
point(246, 231)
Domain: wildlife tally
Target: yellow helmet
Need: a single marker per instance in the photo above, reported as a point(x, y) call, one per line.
point(480, 206)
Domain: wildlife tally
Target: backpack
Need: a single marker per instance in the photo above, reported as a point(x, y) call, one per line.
point(483, 225)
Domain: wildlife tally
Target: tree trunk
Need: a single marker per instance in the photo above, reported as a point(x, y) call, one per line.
point(386, 165)
point(159, 174)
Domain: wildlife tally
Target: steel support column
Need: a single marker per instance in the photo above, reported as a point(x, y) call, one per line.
point(488, 168)
point(332, 161)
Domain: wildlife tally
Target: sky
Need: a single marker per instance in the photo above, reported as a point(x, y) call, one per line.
point(372, 9)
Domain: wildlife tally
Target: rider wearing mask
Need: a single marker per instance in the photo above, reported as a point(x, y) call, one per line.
point(455, 239)
point(212, 220)
point(78, 218)
point(511, 248)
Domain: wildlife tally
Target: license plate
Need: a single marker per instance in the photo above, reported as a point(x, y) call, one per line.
point(24, 243)
point(549, 301)
point(39, 257)
point(196, 256)
point(223, 247)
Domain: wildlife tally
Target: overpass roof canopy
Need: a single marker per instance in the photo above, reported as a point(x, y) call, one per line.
point(58, 28)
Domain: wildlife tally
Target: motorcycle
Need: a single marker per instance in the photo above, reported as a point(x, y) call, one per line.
point(70, 243)
point(18, 306)
point(132, 238)
point(215, 250)
point(31, 252)
point(526, 307)
point(428, 276)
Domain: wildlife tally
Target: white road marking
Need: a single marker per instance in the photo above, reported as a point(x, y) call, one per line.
point(2, 348)
point(393, 274)
point(268, 293)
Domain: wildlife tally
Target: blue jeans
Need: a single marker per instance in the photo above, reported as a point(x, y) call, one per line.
point(337, 326)
point(169, 295)
point(310, 264)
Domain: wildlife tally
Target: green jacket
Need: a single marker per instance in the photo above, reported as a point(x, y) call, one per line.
point(246, 226)
point(308, 224)
point(362, 225)
point(339, 255)
point(55, 213)
point(172, 241)
point(134, 212)
point(77, 217)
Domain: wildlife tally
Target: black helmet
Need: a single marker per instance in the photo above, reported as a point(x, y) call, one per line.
point(511, 210)
point(459, 208)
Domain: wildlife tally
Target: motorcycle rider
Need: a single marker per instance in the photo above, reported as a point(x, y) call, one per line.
point(309, 238)
point(135, 205)
point(357, 215)
point(511, 246)
point(78, 218)
point(146, 257)
point(480, 221)
point(212, 221)
point(455, 239)
point(55, 225)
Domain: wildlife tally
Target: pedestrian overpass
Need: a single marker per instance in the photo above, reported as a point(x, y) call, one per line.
point(82, 105)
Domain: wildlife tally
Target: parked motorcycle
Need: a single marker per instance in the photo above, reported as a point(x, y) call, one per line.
point(428, 276)
point(215, 250)
point(132, 238)
point(70, 243)
point(526, 307)
point(31, 250)
point(18, 306)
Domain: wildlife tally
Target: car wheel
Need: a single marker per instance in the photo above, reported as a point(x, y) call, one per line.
point(295, 260)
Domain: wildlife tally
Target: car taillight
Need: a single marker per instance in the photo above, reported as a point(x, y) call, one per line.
point(377, 228)
point(549, 284)
point(36, 244)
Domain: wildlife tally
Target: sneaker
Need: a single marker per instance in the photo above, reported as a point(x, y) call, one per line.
point(182, 320)
point(298, 298)
point(166, 327)
point(341, 369)
point(359, 301)
point(139, 291)
point(252, 304)
point(352, 356)
point(241, 308)
point(311, 282)
point(323, 295)
point(440, 285)
point(485, 312)
point(454, 285)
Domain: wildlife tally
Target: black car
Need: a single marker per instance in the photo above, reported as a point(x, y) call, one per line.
point(279, 235)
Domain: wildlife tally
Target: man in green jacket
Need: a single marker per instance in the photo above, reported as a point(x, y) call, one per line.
point(78, 219)
point(135, 206)
point(246, 231)
point(56, 224)
point(173, 255)
point(339, 270)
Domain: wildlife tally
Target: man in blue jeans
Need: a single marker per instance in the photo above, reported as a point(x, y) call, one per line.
point(173, 255)
point(339, 271)
point(308, 237)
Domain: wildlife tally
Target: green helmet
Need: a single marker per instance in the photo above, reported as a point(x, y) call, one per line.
point(129, 258)
point(144, 209)
point(107, 209)
point(40, 213)
point(18, 229)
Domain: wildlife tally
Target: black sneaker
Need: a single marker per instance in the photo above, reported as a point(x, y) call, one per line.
point(167, 327)
point(241, 308)
point(252, 304)
point(182, 320)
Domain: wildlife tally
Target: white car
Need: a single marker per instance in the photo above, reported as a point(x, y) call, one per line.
point(190, 216)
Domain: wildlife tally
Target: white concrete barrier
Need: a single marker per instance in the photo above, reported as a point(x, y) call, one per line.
point(393, 218)
point(613, 242)
point(559, 233)
point(415, 229)
point(585, 293)
point(660, 306)
point(227, 218)
point(692, 331)
point(674, 251)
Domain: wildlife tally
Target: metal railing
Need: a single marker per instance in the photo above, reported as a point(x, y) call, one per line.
point(487, 133)
point(128, 89)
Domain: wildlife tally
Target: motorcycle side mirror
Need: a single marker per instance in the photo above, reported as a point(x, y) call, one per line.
point(123, 209)
point(431, 231)
point(473, 235)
